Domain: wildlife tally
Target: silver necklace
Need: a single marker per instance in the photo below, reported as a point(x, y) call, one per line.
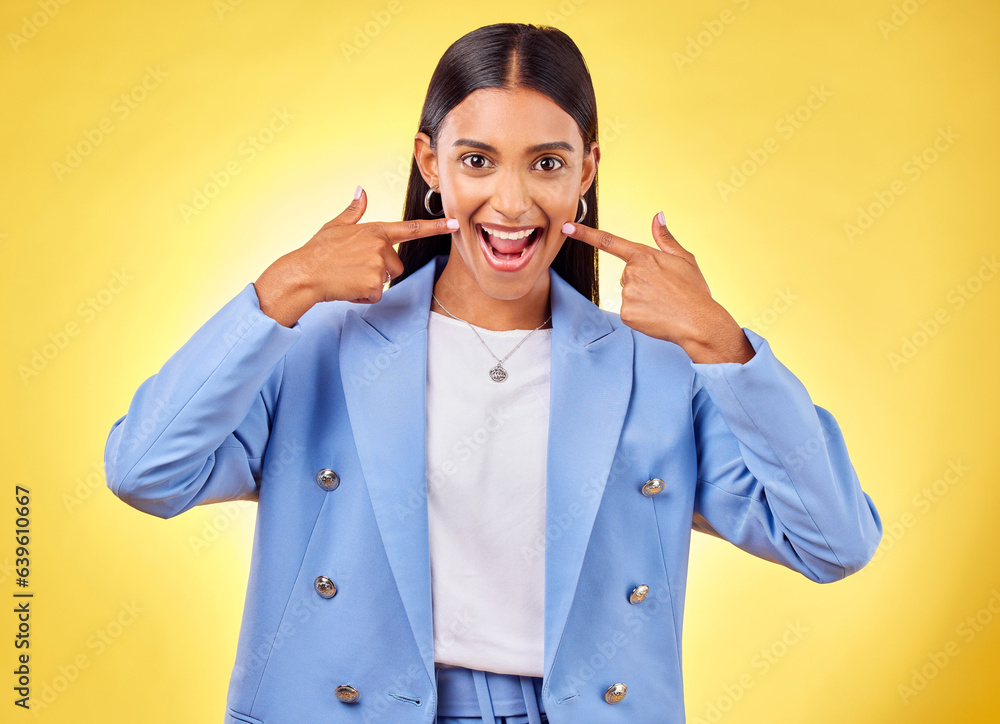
point(497, 372)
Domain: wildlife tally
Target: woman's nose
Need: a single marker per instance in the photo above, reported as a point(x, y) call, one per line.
point(511, 197)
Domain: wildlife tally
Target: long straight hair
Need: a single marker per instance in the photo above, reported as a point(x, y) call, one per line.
point(509, 56)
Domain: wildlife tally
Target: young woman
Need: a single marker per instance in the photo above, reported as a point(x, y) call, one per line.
point(476, 488)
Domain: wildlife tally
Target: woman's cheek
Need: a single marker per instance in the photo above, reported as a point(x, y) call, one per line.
point(558, 204)
point(457, 203)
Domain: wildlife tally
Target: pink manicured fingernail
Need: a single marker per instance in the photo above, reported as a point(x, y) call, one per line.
point(663, 221)
point(568, 228)
point(357, 193)
point(452, 224)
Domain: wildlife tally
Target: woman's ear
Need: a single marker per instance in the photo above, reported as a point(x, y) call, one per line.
point(590, 161)
point(426, 158)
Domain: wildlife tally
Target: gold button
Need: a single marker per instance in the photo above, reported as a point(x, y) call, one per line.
point(615, 693)
point(653, 487)
point(639, 594)
point(327, 479)
point(347, 694)
point(325, 587)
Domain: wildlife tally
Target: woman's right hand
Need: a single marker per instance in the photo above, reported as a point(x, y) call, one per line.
point(345, 260)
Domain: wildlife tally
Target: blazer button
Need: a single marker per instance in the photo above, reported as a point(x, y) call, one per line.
point(347, 694)
point(325, 587)
point(653, 487)
point(639, 594)
point(327, 479)
point(615, 693)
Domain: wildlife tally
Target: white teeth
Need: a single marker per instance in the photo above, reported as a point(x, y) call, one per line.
point(506, 235)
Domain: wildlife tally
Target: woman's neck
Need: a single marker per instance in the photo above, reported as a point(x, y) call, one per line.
point(465, 299)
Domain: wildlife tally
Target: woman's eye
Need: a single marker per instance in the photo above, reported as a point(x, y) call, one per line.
point(474, 160)
point(550, 163)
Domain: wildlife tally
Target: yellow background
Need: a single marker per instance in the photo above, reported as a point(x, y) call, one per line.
point(677, 110)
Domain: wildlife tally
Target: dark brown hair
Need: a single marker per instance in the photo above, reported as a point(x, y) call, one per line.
point(508, 56)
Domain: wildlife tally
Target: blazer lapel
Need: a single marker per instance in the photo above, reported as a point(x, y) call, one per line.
point(591, 384)
point(383, 359)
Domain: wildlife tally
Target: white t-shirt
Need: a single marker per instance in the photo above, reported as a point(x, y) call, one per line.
point(486, 471)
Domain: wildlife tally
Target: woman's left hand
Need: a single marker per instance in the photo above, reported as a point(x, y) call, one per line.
point(664, 295)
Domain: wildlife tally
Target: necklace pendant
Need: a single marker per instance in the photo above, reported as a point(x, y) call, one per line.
point(498, 373)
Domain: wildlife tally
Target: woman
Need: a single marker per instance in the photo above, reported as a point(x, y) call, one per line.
point(481, 471)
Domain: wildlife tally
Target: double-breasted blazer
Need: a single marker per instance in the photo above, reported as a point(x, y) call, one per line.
point(323, 424)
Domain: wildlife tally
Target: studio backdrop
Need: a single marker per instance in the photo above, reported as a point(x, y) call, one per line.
point(831, 165)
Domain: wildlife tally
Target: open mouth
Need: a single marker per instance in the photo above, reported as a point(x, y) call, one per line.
point(508, 251)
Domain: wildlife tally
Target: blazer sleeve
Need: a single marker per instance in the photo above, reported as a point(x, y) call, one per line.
point(196, 431)
point(774, 476)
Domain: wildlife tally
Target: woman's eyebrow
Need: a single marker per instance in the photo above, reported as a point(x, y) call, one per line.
point(550, 146)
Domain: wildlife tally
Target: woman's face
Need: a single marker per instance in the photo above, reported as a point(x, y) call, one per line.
point(511, 168)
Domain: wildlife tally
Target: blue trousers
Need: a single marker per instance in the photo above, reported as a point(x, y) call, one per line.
point(466, 696)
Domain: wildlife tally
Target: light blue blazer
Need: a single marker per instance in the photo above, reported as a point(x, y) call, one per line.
point(249, 409)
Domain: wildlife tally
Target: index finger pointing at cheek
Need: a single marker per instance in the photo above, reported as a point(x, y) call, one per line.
point(400, 231)
point(615, 245)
